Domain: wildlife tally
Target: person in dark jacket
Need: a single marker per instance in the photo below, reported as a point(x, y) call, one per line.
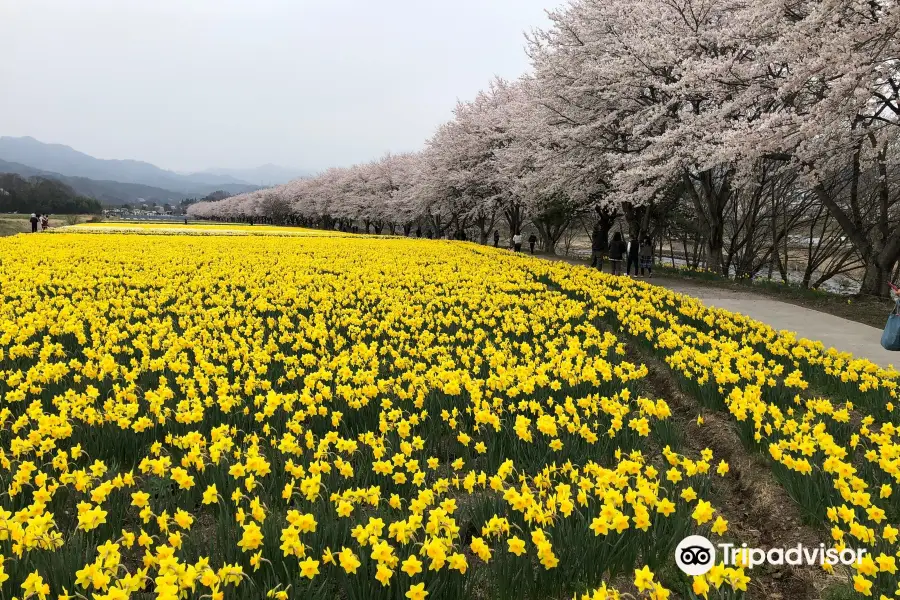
point(616, 253)
point(647, 256)
point(634, 255)
point(496, 237)
point(34, 222)
point(532, 240)
point(599, 245)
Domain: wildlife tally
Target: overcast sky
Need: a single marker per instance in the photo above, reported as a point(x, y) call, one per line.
point(190, 84)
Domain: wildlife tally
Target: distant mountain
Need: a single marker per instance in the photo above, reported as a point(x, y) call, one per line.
point(69, 162)
point(109, 193)
point(23, 170)
point(266, 175)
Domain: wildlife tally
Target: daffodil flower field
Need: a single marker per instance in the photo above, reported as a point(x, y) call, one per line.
point(313, 416)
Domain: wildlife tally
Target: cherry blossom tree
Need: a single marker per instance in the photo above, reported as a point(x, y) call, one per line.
point(829, 102)
point(624, 82)
point(745, 119)
point(461, 174)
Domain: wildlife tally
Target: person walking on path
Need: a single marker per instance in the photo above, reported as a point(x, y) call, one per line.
point(34, 222)
point(633, 256)
point(496, 237)
point(599, 245)
point(532, 240)
point(647, 257)
point(517, 242)
point(616, 253)
point(45, 222)
point(890, 337)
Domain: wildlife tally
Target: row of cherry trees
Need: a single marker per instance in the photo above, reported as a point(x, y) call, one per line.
point(744, 122)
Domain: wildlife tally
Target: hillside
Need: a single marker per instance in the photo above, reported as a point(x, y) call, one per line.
point(66, 161)
point(265, 175)
point(109, 193)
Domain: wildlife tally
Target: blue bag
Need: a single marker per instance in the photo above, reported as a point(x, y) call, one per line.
point(890, 339)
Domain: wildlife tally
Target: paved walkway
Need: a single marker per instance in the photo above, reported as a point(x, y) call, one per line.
point(848, 336)
point(863, 341)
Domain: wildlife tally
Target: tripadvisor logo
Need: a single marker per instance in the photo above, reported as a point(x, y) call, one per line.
point(695, 555)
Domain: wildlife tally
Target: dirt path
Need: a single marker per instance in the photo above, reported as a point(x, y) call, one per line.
point(758, 510)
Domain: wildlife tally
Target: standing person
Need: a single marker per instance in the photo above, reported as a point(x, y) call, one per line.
point(39, 223)
point(496, 237)
point(517, 242)
point(890, 337)
point(616, 252)
point(34, 222)
point(634, 254)
point(647, 256)
point(45, 222)
point(599, 245)
point(532, 240)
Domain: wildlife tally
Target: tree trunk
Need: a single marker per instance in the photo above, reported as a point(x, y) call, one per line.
point(714, 246)
point(875, 280)
point(634, 217)
point(605, 221)
point(710, 194)
point(807, 276)
point(879, 254)
point(483, 230)
point(699, 252)
point(549, 246)
point(513, 214)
